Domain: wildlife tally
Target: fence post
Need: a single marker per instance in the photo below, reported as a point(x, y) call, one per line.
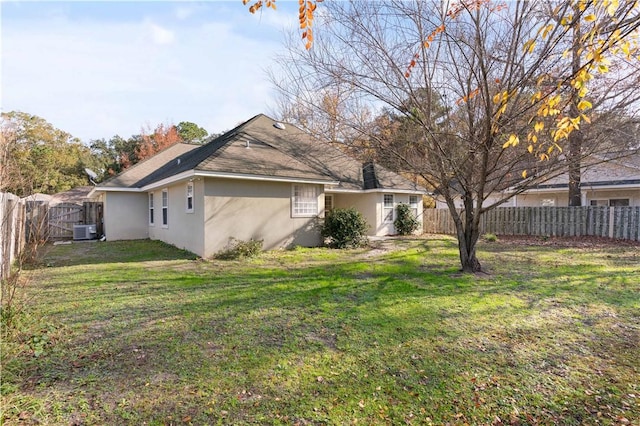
point(12, 219)
point(612, 218)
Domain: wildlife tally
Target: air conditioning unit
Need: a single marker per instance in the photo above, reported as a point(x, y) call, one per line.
point(84, 232)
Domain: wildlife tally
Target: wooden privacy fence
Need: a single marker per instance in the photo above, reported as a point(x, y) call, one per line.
point(60, 218)
point(12, 231)
point(600, 221)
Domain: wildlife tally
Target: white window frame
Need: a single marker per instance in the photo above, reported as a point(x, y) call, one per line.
point(331, 203)
point(151, 210)
point(388, 208)
point(413, 204)
point(189, 198)
point(304, 200)
point(614, 201)
point(165, 208)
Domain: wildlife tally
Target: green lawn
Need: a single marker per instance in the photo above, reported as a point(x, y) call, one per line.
point(141, 333)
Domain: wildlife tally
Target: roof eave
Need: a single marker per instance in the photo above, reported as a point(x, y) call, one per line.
point(190, 174)
point(381, 190)
point(264, 178)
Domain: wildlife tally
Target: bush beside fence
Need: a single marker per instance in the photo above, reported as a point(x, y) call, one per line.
point(599, 221)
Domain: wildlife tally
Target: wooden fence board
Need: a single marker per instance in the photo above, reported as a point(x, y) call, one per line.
point(12, 231)
point(600, 221)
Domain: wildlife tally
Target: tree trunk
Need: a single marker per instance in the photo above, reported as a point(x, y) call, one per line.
point(468, 234)
point(573, 156)
point(468, 259)
point(575, 137)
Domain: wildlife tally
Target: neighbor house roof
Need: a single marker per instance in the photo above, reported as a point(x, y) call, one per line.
point(262, 148)
point(613, 171)
point(77, 195)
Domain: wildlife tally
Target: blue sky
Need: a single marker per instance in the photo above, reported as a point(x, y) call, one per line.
point(97, 69)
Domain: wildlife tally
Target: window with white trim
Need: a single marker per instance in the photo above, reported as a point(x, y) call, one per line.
point(619, 202)
point(387, 208)
point(328, 203)
point(165, 208)
point(304, 200)
point(189, 197)
point(413, 204)
point(151, 211)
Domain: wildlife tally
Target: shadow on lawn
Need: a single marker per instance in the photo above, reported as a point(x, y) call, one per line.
point(98, 252)
point(395, 320)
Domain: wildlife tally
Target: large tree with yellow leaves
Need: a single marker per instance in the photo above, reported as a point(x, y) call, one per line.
point(490, 96)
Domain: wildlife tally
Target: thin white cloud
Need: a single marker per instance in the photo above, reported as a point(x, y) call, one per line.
point(95, 79)
point(160, 35)
point(183, 12)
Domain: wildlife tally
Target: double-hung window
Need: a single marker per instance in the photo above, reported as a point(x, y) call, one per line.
point(387, 208)
point(328, 203)
point(165, 208)
point(304, 200)
point(190, 197)
point(413, 204)
point(151, 211)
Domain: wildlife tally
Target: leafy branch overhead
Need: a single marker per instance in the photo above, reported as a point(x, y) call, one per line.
point(479, 100)
point(305, 15)
point(601, 33)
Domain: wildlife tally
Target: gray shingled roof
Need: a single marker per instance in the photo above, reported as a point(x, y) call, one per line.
point(130, 177)
point(259, 148)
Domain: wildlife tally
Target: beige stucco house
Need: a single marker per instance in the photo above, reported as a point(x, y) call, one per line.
point(603, 183)
point(262, 180)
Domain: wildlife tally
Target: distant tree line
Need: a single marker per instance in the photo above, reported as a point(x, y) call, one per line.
point(39, 158)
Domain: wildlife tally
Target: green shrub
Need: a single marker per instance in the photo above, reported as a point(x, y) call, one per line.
point(344, 228)
point(490, 237)
point(405, 222)
point(238, 249)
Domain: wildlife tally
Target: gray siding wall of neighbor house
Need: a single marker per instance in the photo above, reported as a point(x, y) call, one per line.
point(561, 199)
point(259, 210)
point(125, 216)
point(184, 228)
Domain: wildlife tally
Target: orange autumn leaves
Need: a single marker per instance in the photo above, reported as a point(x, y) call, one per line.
point(454, 11)
point(305, 15)
point(563, 111)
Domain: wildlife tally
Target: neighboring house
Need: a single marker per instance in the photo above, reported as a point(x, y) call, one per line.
point(610, 183)
point(77, 195)
point(603, 183)
point(262, 180)
point(37, 198)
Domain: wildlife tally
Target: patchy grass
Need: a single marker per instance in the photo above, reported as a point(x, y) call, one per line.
point(139, 332)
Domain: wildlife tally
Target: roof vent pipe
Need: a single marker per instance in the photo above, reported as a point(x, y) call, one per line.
point(248, 144)
point(278, 125)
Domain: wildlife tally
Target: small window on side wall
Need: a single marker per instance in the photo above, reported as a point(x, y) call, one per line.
point(190, 197)
point(165, 208)
point(387, 208)
point(328, 203)
point(151, 209)
point(413, 203)
point(619, 202)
